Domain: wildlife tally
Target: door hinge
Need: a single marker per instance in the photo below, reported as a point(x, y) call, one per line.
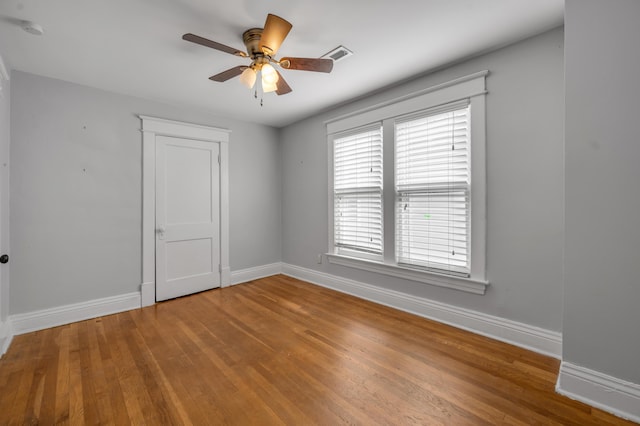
point(218, 158)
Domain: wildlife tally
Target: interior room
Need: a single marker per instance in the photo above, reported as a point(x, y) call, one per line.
point(166, 171)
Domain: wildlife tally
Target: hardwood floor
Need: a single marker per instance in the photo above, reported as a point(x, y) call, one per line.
point(277, 351)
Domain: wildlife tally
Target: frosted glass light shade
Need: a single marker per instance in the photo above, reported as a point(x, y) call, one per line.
point(248, 77)
point(268, 87)
point(269, 75)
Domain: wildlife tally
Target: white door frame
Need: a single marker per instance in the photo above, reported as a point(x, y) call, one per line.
point(6, 333)
point(152, 127)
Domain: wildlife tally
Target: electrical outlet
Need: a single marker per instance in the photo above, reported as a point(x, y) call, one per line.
point(319, 259)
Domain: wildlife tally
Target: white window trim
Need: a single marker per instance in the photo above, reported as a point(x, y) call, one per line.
point(472, 87)
point(449, 281)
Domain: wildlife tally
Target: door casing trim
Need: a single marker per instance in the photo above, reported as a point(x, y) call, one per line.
point(152, 127)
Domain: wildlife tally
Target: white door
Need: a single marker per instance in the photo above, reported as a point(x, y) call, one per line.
point(187, 217)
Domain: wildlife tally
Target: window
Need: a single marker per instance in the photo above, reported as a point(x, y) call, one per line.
point(432, 190)
point(407, 186)
point(357, 197)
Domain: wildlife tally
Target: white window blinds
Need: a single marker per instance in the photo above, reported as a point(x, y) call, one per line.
point(432, 190)
point(357, 191)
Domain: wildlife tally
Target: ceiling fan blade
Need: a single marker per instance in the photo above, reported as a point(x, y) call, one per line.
point(212, 44)
point(230, 73)
point(307, 64)
point(274, 32)
point(282, 87)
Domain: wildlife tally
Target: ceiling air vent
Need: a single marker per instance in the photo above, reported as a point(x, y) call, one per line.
point(338, 54)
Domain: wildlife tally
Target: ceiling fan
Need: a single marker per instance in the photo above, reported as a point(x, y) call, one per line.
point(262, 44)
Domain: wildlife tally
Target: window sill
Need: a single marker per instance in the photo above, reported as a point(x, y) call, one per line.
point(468, 285)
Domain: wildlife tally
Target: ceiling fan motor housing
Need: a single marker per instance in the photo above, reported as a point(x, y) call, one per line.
point(251, 39)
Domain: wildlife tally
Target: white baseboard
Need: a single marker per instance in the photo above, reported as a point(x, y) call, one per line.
point(520, 334)
point(6, 335)
point(516, 333)
point(249, 274)
point(46, 318)
point(602, 391)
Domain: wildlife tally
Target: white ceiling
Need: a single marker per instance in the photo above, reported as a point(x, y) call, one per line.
point(135, 47)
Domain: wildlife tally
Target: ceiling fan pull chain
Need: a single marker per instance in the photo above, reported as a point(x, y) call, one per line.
point(261, 90)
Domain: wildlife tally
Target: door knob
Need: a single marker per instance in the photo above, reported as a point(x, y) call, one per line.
point(4, 258)
point(160, 231)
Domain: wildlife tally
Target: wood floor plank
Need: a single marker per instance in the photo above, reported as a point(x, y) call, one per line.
point(76, 402)
point(124, 369)
point(61, 395)
point(278, 351)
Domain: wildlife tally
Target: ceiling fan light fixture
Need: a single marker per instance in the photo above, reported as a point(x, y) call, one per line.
point(248, 77)
point(269, 75)
point(269, 87)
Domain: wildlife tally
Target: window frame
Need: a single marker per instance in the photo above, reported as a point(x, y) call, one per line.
point(346, 250)
point(472, 88)
point(422, 190)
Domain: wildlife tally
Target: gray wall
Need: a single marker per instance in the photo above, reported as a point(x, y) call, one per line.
point(602, 157)
point(525, 184)
point(76, 191)
point(5, 133)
